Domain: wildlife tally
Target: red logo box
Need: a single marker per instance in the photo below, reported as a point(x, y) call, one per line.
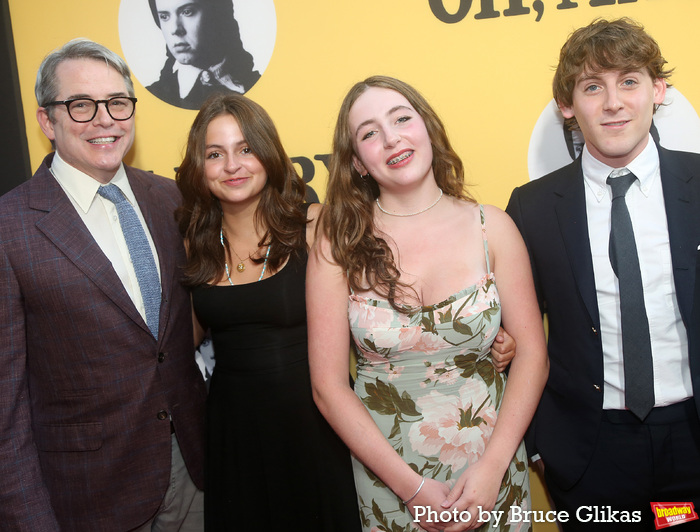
point(668, 514)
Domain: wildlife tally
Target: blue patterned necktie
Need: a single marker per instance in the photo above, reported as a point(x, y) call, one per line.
point(141, 255)
point(636, 343)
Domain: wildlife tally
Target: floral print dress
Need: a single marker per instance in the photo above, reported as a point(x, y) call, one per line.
point(428, 382)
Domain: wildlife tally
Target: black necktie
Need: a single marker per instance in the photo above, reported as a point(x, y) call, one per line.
point(636, 344)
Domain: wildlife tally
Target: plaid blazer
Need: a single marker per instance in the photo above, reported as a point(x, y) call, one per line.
point(86, 392)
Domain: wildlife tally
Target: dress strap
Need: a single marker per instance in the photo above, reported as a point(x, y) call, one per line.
point(483, 234)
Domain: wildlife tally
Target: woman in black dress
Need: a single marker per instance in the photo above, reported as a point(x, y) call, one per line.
point(272, 459)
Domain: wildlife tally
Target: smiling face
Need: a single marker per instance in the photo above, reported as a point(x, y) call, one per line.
point(96, 147)
point(614, 110)
point(234, 174)
point(390, 139)
point(183, 25)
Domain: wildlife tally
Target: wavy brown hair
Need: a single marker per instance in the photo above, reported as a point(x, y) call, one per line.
point(603, 45)
point(348, 215)
point(279, 211)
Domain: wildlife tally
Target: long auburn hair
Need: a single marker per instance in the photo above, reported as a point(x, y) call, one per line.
point(348, 215)
point(279, 211)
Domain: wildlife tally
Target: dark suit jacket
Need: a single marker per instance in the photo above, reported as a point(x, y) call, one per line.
point(85, 390)
point(551, 215)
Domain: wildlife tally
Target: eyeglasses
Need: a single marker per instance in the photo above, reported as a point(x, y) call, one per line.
point(85, 109)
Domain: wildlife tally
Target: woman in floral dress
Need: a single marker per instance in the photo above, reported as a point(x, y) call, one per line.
point(407, 266)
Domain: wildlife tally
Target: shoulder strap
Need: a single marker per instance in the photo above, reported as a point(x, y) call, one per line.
point(483, 234)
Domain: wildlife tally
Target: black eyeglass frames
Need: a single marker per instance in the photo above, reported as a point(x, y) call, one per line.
point(85, 109)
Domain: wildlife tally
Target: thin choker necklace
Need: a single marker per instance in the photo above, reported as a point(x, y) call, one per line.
point(412, 213)
point(228, 275)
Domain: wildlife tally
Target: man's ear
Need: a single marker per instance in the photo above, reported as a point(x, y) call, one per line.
point(566, 110)
point(45, 122)
point(659, 91)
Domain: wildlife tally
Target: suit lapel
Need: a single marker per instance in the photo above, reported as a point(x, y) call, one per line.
point(63, 226)
point(677, 181)
point(571, 214)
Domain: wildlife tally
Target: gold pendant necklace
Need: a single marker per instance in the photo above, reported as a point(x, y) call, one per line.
point(241, 267)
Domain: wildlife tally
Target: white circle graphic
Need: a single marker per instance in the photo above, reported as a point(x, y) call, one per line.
point(144, 45)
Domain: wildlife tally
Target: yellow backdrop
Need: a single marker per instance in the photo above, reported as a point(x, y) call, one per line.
point(489, 78)
point(486, 66)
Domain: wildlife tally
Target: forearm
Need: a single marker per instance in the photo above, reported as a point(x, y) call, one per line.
point(479, 485)
point(355, 426)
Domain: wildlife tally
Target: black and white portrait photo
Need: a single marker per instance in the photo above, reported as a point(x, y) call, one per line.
point(183, 51)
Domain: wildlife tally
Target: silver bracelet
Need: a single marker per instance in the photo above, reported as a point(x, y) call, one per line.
point(416, 493)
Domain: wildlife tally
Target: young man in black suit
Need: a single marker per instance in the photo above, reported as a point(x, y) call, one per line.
point(617, 427)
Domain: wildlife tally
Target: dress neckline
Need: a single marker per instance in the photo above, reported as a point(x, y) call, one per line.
point(252, 283)
point(457, 295)
point(427, 308)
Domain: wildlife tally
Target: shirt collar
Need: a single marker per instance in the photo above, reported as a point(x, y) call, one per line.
point(81, 187)
point(187, 76)
point(645, 166)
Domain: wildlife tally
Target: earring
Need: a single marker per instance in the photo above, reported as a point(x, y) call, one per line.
point(364, 177)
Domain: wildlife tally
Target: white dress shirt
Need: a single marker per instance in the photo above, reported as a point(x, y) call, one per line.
point(100, 216)
point(669, 340)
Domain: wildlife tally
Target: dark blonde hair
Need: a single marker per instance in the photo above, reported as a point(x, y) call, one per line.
point(348, 215)
point(603, 45)
point(279, 211)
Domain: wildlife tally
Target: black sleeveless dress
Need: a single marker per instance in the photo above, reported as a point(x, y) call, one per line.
point(273, 463)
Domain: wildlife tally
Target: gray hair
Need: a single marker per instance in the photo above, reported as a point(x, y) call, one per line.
point(45, 87)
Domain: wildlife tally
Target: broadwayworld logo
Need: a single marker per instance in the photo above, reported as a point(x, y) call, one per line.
point(672, 513)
